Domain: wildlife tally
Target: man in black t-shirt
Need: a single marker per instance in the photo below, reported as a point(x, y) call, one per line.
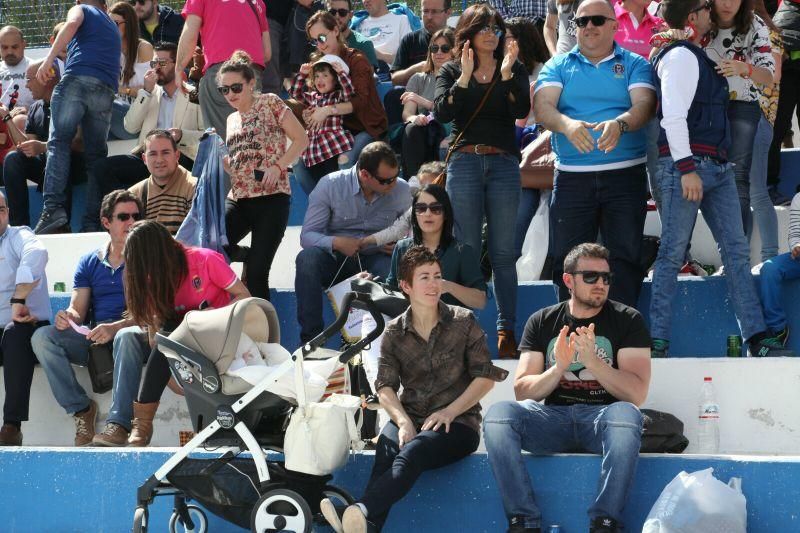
point(588, 361)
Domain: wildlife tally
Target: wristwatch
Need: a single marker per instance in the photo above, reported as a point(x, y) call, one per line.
point(17, 301)
point(623, 126)
point(7, 117)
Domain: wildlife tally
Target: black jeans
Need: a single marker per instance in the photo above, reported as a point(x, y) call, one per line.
point(395, 470)
point(266, 217)
point(18, 362)
point(787, 106)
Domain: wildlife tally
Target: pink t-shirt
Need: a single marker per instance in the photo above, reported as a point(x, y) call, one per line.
point(229, 25)
point(209, 276)
point(632, 37)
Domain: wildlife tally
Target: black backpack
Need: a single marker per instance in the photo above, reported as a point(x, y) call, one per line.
point(663, 433)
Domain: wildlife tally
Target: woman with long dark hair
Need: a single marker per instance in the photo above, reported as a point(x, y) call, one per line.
point(483, 170)
point(432, 226)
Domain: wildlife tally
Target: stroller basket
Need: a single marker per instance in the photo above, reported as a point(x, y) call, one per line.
point(229, 488)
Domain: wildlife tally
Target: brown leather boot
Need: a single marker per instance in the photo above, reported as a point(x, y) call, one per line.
point(507, 344)
point(142, 426)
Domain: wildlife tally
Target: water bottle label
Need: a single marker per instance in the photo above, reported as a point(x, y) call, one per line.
point(709, 411)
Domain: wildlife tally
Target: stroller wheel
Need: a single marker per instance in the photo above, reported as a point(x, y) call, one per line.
point(197, 515)
point(281, 510)
point(140, 516)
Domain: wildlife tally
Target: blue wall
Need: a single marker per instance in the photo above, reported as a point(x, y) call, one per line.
point(73, 490)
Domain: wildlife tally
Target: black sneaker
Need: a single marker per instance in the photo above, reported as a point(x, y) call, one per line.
point(603, 524)
point(333, 514)
point(659, 348)
point(52, 222)
point(516, 524)
point(783, 335)
point(770, 347)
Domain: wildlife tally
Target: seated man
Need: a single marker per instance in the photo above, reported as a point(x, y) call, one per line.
point(588, 359)
point(344, 207)
point(15, 94)
point(24, 307)
point(167, 194)
point(412, 52)
point(342, 11)
point(28, 161)
point(98, 299)
point(383, 27)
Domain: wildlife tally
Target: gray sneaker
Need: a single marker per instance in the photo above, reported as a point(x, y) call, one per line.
point(52, 221)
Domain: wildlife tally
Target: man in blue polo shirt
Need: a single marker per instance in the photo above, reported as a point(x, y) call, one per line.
point(97, 291)
point(595, 99)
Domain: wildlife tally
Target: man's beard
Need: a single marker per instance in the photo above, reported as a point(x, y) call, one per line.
point(590, 302)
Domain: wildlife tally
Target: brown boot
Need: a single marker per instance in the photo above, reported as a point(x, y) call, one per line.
point(506, 344)
point(142, 426)
point(84, 425)
point(10, 435)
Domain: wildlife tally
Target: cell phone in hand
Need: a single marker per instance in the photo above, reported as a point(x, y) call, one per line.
point(258, 175)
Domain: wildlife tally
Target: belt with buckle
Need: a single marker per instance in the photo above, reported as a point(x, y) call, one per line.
point(481, 149)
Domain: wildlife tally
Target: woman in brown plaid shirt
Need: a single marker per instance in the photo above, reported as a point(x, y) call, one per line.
point(438, 353)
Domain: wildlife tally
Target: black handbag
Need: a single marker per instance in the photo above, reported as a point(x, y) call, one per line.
point(390, 302)
point(663, 433)
point(101, 367)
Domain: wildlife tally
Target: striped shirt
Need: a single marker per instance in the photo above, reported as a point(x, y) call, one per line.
point(530, 9)
point(168, 204)
point(794, 222)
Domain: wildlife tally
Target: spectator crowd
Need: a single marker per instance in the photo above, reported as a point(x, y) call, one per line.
point(415, 136)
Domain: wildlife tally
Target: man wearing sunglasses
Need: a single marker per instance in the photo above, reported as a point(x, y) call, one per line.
point(98, 300)
point(342, 11)
point(344, 207)
point(413, 49)
point(600, 176)
point(695, 173)
point(588, 361)
point(157, 23)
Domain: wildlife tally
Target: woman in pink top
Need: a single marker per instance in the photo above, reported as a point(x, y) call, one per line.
point(163, 281)
point(635, 26)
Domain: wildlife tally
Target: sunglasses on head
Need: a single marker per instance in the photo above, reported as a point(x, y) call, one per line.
point(341, 12)
point(124, 217)
point(322, 39)
point(705, 5)
point(435, 207)
point(234, 88)
point(435, 48)
point(591, 276)
point(596, 20)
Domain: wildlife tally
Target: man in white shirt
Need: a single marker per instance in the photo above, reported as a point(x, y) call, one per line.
point(383, 28)
point(12, 70)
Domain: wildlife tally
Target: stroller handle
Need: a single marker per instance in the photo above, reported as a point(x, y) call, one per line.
point(359, 301)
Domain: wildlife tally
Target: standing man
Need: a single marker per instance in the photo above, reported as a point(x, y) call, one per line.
point(223, 28)
point(600, 176)
point(83, 98)
point(384, 28)
point(278, 13)
point(413, 50)
point(342, 11)
point(157, 24)
point(588, 361)
point(24, 308)
point(98, 299)
point(13, 69)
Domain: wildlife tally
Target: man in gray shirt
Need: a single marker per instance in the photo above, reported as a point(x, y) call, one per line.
point(344, 207)
point(559, 26)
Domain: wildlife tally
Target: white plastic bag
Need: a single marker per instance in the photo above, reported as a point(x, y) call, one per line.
point(534, 248)
point(699, 503)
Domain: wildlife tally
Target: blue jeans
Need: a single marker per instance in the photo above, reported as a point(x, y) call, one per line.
point(528, 204)
point(489, 186)
point(763, 210)
point(117, 130)
point(744, 118)
point(131, 351)
point(613, 431)
point(653, 130)
point(307, 181)
point(316, 270)
point(677, 221)
point(57, 350)
point(773, 273)
point(612, 202)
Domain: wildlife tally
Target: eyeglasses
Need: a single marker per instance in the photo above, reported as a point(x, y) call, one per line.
point(159, 63)
point(491, 29)
point(384, 181)
point(591, 276)
point(341, 12)
point(708, 4)
point(435, 207)
point(596, 20)
point(435, 48)
point(322, 39)
point(140, 2)
point(433, 11)
point(234, 88)
point(124, 217)
point(119, 23)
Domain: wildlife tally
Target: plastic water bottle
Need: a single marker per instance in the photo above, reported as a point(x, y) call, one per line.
point(708, 419)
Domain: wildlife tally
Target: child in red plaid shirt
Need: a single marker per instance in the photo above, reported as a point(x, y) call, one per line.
point(327, 137)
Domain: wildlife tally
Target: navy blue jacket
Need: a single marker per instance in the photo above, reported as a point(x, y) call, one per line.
point(170, 26)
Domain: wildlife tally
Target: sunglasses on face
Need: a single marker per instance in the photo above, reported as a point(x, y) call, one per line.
point(445, 48)
point(321, 39)
point(591, 276)
point(384, 181)
point(432, 11)
point(435, 207)
point(234, 88)
point(491, 29)
point(705, 5)
point(596, 20)
point(341, 12)
point(124, 217)
point(159, 63)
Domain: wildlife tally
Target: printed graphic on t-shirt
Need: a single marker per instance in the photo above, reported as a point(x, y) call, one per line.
point(578, 385)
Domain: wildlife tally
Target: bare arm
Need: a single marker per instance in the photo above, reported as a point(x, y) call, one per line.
point(187, 41)
point(267, 45)
point(643, 108)
point(531, 381)
point(551, 32)
point(401, 77)
point(476, 390)
point(391, 403)
point(577, 131)
point(294, 130)
point(74, 21)
point(238, 291)
point(469, 296)
point(629, 382)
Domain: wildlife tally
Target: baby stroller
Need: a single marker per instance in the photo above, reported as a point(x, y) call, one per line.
point(232, 416)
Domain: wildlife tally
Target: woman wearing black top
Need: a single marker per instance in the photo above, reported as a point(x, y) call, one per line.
point(483, 171)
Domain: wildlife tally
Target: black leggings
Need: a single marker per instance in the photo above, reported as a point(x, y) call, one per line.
point(266, 217)
point(156, 377)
